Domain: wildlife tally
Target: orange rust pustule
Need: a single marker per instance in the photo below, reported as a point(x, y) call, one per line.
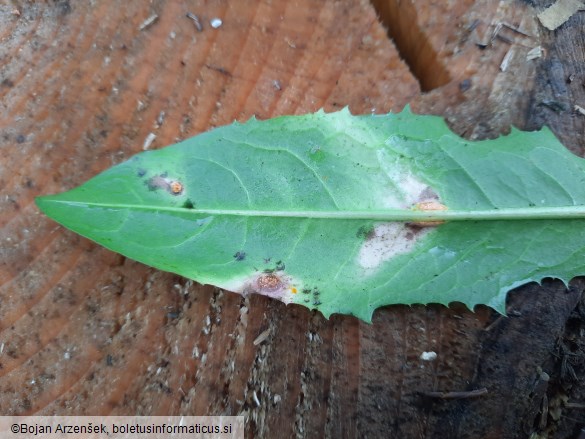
point(428, 205)
point(176, 187)
point(269, 282)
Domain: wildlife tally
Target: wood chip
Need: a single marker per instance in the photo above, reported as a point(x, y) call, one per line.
point(148, 22)
point(148, 141)
point(534, 53)
point(506, 61)
point(557, 14)
point(263, 336)
point(579, 110)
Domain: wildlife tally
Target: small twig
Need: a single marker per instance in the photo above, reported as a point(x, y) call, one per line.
point(515, 29)
point(457, 395)
point(504, 38)
point(195, 19)
point(218, 69)
point(494, 323)
point(148, 22)
point(575, 405)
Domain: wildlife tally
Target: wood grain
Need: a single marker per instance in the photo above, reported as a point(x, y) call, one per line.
point(85, 331)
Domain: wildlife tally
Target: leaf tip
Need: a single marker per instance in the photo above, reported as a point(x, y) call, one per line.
point(42, 202)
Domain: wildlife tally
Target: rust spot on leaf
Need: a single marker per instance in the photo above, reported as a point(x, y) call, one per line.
point(176, 187)
point(268, 283)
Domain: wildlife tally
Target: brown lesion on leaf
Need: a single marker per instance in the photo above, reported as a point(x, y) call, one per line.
point(414, 232)
point(428, 206)
point(388, 240)
point(428, 194)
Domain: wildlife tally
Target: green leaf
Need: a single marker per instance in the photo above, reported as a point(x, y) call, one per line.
point(323, 210)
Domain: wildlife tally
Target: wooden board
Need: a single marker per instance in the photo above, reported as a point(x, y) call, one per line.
point(85, 331)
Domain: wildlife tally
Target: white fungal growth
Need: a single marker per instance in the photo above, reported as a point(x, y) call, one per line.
point(407, 189)
point(386, 241)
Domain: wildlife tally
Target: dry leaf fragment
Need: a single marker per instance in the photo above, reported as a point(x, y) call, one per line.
point(557, 14)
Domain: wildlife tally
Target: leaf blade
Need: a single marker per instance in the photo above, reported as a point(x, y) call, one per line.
point(253, 207)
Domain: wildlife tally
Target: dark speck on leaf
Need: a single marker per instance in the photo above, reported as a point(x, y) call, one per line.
point(365, 232)
point(280, 266)
point(306, 291)
point(164, 174)
point(188, 204)
point(240, 256)
point(141, 172)
point(317, 302)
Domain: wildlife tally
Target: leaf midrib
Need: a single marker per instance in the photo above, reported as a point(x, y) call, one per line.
point(516, 213)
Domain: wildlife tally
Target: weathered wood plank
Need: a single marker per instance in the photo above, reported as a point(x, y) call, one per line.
point(84, 331)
